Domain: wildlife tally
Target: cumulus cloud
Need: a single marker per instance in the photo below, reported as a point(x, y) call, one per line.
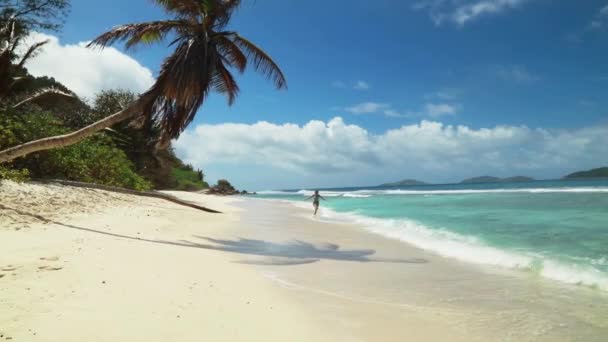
point(87, 71)
point(462, 12)
point(429, 150)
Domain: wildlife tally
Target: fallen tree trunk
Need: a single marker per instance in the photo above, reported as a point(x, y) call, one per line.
point(152, 194)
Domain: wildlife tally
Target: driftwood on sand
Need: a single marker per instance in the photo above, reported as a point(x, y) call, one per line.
point(153, 194)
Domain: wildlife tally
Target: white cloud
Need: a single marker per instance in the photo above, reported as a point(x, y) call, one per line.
point(359, 85)
point(428, 150)
point(438, 110)
point(516, 73)
point(367, 108)
point(596, 24)
point(362, 85)
point(461, 12)
point(433, 110)
point(601, 19)
point(87, 71)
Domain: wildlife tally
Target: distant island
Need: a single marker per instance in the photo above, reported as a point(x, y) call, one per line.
point(405, 182)
point(489, 179)
point(601, 172)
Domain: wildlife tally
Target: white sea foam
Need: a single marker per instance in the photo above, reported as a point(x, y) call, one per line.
point(470, 249)
point(356, 195)
point(369, 193)
point(484, 191)
point(307, 193)
point(276, 192)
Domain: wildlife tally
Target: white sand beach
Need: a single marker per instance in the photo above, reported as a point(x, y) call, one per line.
point(89, 265)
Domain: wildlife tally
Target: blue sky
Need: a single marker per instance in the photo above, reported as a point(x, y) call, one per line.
point(384, 65)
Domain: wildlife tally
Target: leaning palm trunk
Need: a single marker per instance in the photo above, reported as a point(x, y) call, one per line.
point(70, 138)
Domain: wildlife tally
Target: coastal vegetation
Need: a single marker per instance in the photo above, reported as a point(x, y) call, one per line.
point(121, 138)
point(474, 180)
point(601, 172)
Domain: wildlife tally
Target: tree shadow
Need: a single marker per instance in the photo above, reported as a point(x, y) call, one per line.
point(291, 253)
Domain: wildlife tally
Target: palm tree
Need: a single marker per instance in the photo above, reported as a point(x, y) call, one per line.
point(204, 54)
point(12, 65)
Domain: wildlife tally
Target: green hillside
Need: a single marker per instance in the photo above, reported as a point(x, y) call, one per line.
point(601, 172)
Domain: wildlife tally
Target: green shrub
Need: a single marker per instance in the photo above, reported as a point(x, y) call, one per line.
point(14, 175)
point(94, 160)
point(185, 179)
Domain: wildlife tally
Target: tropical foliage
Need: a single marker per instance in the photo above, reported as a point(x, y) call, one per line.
point(205, 53)
point(122, 138)
point(96, 159)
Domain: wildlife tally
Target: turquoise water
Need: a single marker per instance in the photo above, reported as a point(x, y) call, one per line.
point(557, 229)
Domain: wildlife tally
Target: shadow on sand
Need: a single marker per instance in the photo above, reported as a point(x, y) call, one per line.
point(281, 254)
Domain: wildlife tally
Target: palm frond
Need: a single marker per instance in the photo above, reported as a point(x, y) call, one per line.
point(180, 89)
point(181, 7)
point(31, 52)
point(141, 33)
point(223, 82)
point(261, 61)
point(233, 55)
point(219, 12)
point(47, 97)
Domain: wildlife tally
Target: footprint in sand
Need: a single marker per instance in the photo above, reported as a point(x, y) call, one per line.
point(49, 268)
point(50, 259)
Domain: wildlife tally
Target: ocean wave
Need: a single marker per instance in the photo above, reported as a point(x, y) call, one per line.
point(471, 249)
point(308, 193)
point(483, 191)
point(355, 195)
point(276, 192)
point(370, 193)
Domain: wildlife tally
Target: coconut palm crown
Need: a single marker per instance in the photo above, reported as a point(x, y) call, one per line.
point(205, 53)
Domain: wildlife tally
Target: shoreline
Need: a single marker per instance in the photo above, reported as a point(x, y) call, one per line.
point(139, 268)
point(509, 302)
point(454, 246)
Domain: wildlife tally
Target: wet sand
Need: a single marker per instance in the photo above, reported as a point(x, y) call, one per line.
point(354, 274)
